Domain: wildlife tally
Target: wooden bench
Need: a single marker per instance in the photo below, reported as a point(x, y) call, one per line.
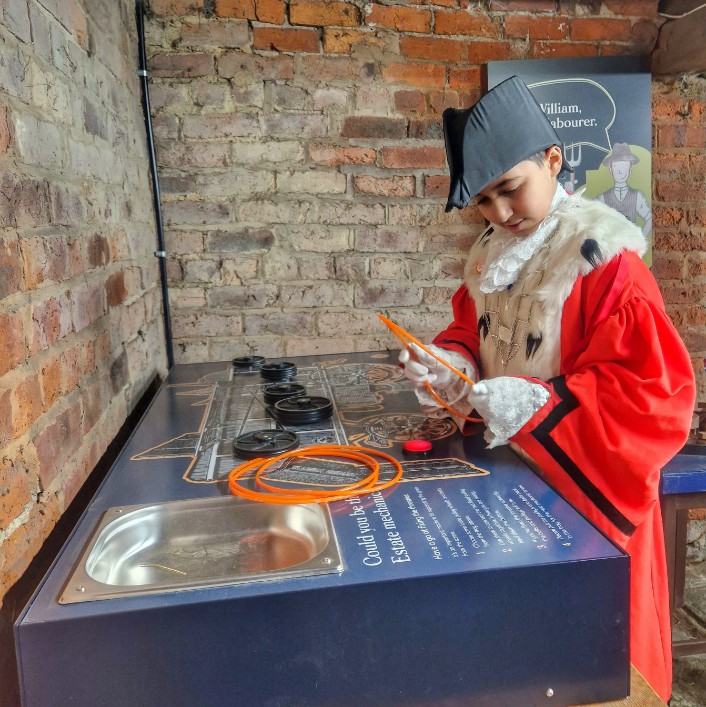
point(683, 487)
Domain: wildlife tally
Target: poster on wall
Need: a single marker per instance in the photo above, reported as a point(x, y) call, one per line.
point(601, 109)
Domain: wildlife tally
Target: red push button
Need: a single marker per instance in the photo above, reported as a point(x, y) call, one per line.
point(417, 446)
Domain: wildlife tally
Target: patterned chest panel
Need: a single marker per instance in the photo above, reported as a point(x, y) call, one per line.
point(519, 331)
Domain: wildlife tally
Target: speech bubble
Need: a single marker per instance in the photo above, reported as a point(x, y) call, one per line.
point(581, 110)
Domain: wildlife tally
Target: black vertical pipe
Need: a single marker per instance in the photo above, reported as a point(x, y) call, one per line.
point(160, 252)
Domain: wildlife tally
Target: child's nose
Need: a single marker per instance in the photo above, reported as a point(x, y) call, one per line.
point(502, 210)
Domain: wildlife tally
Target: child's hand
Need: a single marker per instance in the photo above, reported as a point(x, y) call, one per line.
point(506, 404)
point(423, 368)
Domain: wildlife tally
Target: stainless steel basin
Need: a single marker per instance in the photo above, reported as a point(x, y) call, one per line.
point(178, 545)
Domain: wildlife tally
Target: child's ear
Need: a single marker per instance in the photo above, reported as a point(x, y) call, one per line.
point(554, 158)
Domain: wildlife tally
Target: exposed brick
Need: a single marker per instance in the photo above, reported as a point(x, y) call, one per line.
point(16, 19)
point(192, 212)
point(402, 19)
point(334, 294)
point(24, 203)
point(115, 289)
point(422, 75)
point(643, 35)
point(295, 124)
point(322, 13)
point(87, 305)
point(281, 323)
point(311, 182)
point(632, 8)
point(425, 129)
point(239, 241)
point(460, 22)
point(25, 542)
point(684, 135)
point(12, 342)
point(667, 267)
point(51, 321)
point(679, 190)
point(387, 240)
point(344, 41)
point(410, 157)
point(46, 258)
point(175, 7)
point(14, 487)
point(97, 250)
point(522, 6)
point(436, 186)
point(669, 107)
point(466, 79)
point(242, 9)
point(220, 126)
point(215, 33)
point(384, 186)
point(341, 212)
point(697, 216)
point(667, 217)
point(11, 272)
point(5, 136)
point(5, 424)
point(374, 127)
point(236, 65)
point(484, 51)
point(560, 50)
point(410, 102)
point(73, 17)
point(373, 295)
point(439, 101)
point(665, 162)
point(50, 381)
point(435, 48)
point(587, 29)
point(336, 69)
point(269, 11)
point(182, 65)
point(250, 296)
point(57, 442)
point(68, 207)
point(334, 156)
point(536, 27)
point(26, 403)
point(181, 155)
point(286, 40)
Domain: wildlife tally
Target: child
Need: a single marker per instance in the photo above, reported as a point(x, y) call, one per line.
point(564, 328)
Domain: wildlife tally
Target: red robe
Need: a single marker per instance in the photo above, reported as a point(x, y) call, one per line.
point(619, 410)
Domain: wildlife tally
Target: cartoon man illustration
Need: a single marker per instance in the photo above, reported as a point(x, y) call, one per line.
point(622, 197)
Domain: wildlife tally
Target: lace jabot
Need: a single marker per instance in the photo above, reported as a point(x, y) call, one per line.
point(507, 253)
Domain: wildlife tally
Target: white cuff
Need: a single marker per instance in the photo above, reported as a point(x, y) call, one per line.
point(506, 404)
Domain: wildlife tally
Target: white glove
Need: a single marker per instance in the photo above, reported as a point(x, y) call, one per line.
point(506, 404)
point(424, 368)
point(450, 387)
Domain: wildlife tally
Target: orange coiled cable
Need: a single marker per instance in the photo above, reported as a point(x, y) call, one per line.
point(406, 338)
point(274, 494)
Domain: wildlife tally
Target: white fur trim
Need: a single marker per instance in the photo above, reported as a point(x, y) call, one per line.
point(580, 220)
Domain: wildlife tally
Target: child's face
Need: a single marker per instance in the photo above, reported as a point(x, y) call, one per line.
point(520, 199)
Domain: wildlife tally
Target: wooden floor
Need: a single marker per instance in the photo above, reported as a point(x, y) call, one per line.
point(641, 694)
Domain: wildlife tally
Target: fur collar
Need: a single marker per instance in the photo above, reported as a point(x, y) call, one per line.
point(589, 234)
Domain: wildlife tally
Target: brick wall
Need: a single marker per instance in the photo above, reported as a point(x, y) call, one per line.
point(80, 305)
point(303, 171)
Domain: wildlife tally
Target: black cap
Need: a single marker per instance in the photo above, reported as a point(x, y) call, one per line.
point(505, 127)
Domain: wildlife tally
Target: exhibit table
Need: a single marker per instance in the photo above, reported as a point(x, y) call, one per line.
point(470, 581)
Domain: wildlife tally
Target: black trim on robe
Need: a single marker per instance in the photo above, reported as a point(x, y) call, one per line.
point(542, 434)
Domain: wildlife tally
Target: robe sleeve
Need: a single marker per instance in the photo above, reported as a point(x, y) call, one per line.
point(623, 404)
point(462, 334)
